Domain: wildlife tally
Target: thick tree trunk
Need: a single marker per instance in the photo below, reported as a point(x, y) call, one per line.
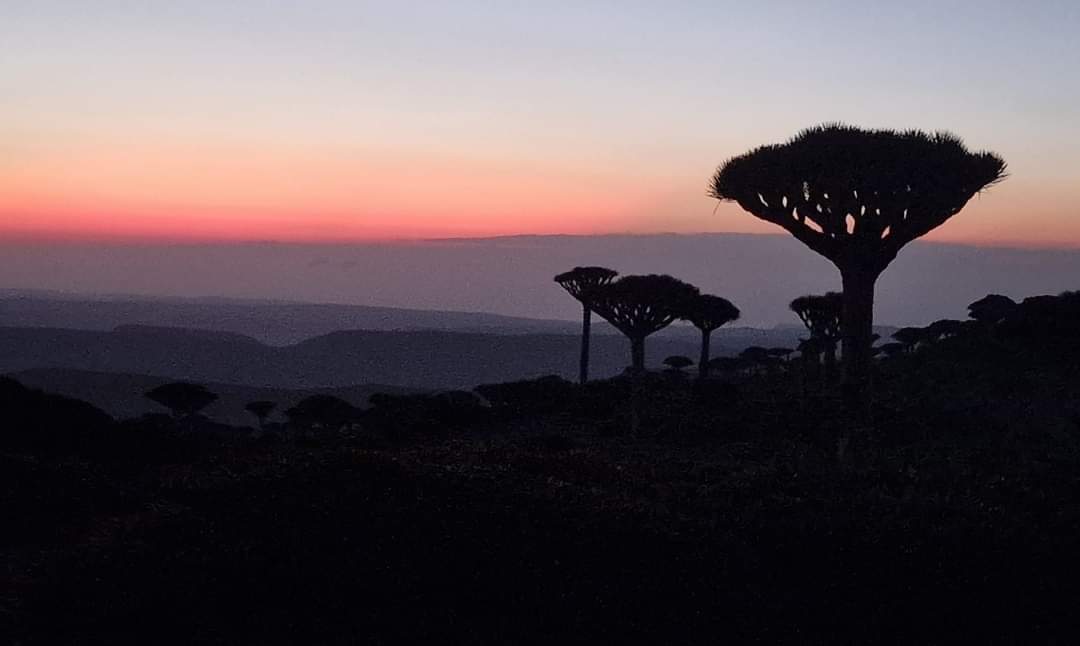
point(586, 325)
point(830, 360)
point(637, 354)
point(857, 328)
point(703, 361)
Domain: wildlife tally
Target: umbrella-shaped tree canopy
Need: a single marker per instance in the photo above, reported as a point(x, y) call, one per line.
point(857, 196)
point(182, 398)
point(580, 280)
point(708, 312)
point(820, 313)
point(638, 306)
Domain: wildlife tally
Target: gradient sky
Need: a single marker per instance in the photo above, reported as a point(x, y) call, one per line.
point(312, 121)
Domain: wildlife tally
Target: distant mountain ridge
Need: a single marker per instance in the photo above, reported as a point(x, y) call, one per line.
point(431, 359)
point(509, 276)
point(287, 323)
point(276, 323)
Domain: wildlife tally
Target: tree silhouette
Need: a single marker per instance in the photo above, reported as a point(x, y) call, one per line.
point(991, 309)
point(261, 410)
point(821, 314)
point(579, 282)
point(857, 197)
point(707, 313)
point(910, 337)
point(678, 362)
point(755, 356)
point(944, 329)
point(183, 399)
point(638, 306)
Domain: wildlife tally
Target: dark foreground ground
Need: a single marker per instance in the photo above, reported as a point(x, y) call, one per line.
point(726, 517)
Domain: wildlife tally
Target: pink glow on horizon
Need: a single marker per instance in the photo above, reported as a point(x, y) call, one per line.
point(239, 193)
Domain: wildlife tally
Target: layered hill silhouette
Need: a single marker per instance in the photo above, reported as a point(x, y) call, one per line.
point(431, 359)
point(275, 323)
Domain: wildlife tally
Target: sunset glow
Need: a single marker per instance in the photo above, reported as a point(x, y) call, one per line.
point(358, 121)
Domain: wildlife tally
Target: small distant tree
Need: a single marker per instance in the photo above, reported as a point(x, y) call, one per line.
point(708, 313)
point(991, 309)
point(821, 314)
point(910, 337)
point(639, 306)
point(756, 356)
point(580, 282)
point(678, 362)
point(183, 399)
point(944, 329)
point(857, 197)
point(261, 410)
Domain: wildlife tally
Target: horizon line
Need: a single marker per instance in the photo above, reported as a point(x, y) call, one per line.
point(122, 241)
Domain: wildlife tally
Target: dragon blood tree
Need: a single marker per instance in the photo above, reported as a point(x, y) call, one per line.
point(638, 306)
point(579, 282)
point(821, 314)
point(857, 197)
point(707, 313)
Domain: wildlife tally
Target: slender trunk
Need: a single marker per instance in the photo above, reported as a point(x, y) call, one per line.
point(703, 361)
point(586, 324)
point(637, 354)
point(857, 328)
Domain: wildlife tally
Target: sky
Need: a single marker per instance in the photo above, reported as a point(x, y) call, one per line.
point(341, 121)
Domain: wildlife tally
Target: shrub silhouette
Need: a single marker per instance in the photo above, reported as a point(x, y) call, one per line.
point(707, 313)
point(182, 398)
point(324, 412)
point(780, 354)
point(1047, 319)
point(678, 362)
point(821, 314)
point(546, 394)
point(755, 354)
point(399, 416)
point(261, 410)
point(857, 197)
point(638, 306)
point(46, 423)
point(726, 364)
point(579, 282)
